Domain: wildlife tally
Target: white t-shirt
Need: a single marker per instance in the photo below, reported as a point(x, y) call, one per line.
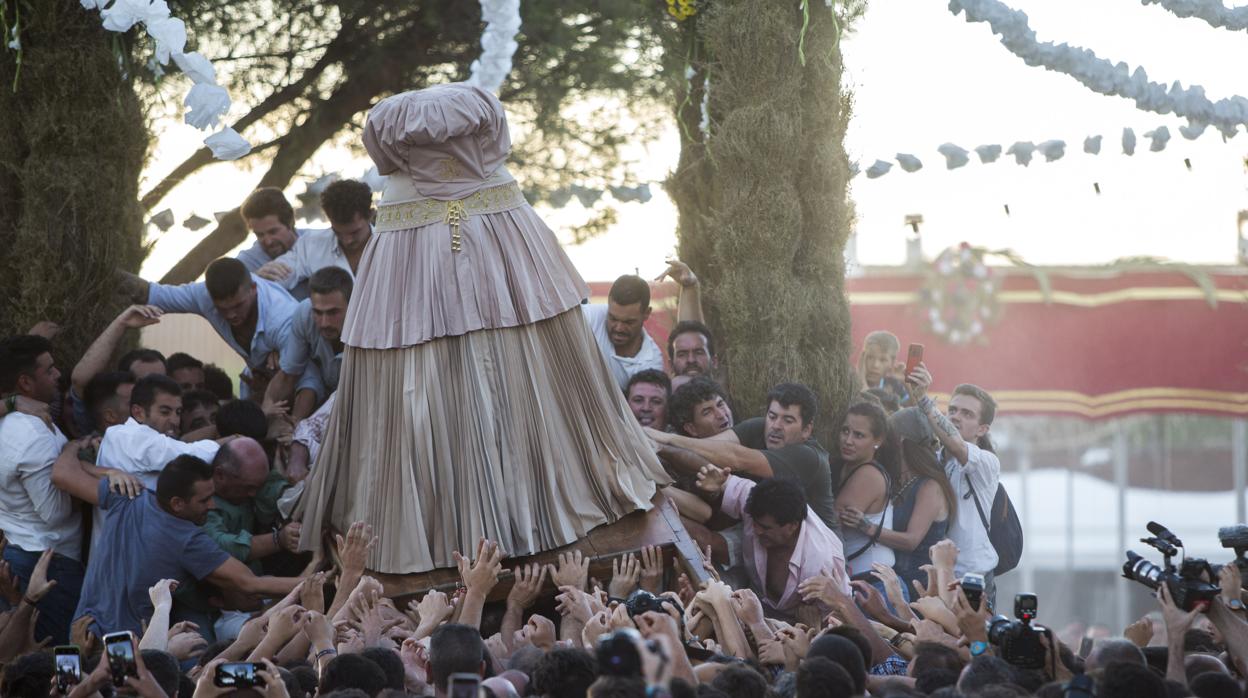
point(622, 367)
point(975, 551)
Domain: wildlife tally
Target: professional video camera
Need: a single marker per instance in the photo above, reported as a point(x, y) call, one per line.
point(1236, 538)
point(1019, 640)
point(1191, 584)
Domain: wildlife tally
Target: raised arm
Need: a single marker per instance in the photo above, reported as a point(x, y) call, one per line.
point(689, 305)
point(726, 452)
point(919, 381)
point(69, 476)
point(233, 574)
point(97, 356)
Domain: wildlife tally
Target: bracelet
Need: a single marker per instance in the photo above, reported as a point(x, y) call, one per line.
point(926, 403)
point(326, 651)
point(28, 601)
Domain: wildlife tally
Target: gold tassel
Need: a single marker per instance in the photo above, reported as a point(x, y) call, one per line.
point(456, 214)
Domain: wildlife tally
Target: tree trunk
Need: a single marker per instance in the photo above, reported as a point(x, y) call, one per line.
point(72, 147)
point(763, 214)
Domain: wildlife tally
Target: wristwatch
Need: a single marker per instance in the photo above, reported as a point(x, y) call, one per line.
point(1235, 605)
point(978, 648)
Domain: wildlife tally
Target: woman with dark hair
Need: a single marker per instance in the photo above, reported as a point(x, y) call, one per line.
point(922, 508)
point(868, 470)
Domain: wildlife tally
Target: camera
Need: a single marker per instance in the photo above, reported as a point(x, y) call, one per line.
point(1019, 639)
point(1236, 538)
point(1190, 583)
point(618, 655)
point(642, 601)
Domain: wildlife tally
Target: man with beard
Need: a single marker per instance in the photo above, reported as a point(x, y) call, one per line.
point(691, 349)
point(157, 535)
point(312, 355)
point(619, 328)
point(648, 393)
point(348, 205)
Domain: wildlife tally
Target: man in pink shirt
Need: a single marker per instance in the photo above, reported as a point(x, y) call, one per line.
point(783, 541)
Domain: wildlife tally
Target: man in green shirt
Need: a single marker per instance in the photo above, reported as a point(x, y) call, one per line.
point(242, 522)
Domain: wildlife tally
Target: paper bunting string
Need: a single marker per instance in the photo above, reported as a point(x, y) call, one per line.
point(1101, 75)
point(1052, 150)
point(879, 169)
point(1128, 141)
point(1092, 145)
point(1159, 137)
point(1022, 151)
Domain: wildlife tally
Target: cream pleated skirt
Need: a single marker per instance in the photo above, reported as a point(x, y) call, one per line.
point(518, 434)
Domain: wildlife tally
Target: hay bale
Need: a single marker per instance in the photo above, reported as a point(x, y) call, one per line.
point(71, 154)
point(762, 199)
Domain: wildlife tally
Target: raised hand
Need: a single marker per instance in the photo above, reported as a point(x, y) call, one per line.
point(539, 631)
point(575, 604)
point(944, 554)
point(288, 536)
point(597, 626)
point(353, 551)
point(748, 607)
point(319, 629)
point(1140, 633)
point(625, 572)
point(9, 590)
point(1231, 582)
point(679, 272)
point(870, 600)
point(432, 610)
point(274, 271)
point(712, 478)
point(932, 608)
point(39, 584)
point(971, 621)
point(892, 588)
point(312, 593)
point(573, 570)
point(620, 618)
point(185, 642)
point(652, 569)
point(137, 316)
point(161, 593)
point(481, 575)
point(527, 585)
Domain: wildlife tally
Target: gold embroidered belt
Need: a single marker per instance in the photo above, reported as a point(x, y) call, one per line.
point(406, 215)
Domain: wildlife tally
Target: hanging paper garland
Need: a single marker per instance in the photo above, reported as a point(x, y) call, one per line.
point(1212, 11)
point(1101, 75)
point(498, 44)
point(959, 296)
point(206, 102)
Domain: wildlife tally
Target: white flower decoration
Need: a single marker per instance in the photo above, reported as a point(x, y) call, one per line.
point(226, 144)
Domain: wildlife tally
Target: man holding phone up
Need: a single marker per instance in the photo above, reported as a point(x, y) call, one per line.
point(152, 537)
point(971, 466)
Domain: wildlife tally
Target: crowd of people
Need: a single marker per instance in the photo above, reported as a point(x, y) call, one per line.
point(144, 498)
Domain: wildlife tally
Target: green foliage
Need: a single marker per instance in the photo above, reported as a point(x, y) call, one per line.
point(762, 198)
point(71, 149)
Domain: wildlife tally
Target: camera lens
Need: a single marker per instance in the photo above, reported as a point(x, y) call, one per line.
point(1141, 570)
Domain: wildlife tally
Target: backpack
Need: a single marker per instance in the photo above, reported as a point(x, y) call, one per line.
point(1005, 532)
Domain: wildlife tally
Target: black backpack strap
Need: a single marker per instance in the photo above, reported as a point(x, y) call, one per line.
point(888, 486)
point(978, 507)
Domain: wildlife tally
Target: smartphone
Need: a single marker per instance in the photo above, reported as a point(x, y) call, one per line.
point(973, 587)
point(68, 667)
point(1085, 647)
point(238, 675)
point(121, 648)
point(914, 357)
point(463, 686)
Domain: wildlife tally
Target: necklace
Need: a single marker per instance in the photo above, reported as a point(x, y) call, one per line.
point(901, 493)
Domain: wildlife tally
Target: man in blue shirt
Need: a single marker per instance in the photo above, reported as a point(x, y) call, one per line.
point(312, 356)
point(252, 315)
point(151, 537)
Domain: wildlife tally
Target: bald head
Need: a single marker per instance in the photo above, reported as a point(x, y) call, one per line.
point(240, 470)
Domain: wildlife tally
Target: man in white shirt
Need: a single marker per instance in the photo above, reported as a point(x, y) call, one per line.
point(270, 217)
point(619, 328)
point(348, 205)
point(971, 466)
point(34, 514)
point(149, 439)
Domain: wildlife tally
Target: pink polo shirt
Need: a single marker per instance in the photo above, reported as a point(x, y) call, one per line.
point(817, 547)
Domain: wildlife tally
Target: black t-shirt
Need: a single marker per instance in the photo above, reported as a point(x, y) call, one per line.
point(805, 463)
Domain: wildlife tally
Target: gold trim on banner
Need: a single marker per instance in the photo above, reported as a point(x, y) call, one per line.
point(1083, 300)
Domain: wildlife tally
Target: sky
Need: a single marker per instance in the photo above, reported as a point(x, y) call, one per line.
point(922, 77)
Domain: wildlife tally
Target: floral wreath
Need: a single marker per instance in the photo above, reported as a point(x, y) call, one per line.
point(959, 295)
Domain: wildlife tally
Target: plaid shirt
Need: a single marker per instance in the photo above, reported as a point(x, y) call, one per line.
point(895, 665)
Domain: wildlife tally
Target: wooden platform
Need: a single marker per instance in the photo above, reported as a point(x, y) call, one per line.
point(660, 526)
